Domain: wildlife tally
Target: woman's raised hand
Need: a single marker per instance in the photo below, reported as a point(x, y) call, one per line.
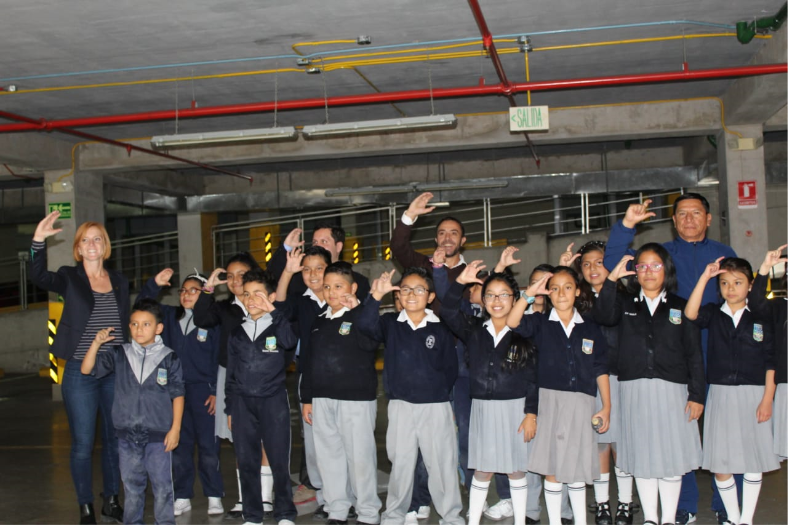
point(46, 228)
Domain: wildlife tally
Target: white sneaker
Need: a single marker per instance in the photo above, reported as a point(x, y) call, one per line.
point(412, 518)
point(182, 505)
point(285, 522)
point(424, 512)
point(501, 510)
point(215, 506)
point(252, 523)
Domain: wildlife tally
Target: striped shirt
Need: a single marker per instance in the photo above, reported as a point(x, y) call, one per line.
point(105, 315)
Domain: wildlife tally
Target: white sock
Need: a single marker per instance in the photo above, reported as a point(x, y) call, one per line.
point(267, 486)
point(648, 490)
point(476, 499)
point(552, 500)
point(577, 497)
point(238, 477)
point(669, 493)
point(624, 482)
point(602, 488)
point(519, 490)
point(730, 498)
point(749, 496)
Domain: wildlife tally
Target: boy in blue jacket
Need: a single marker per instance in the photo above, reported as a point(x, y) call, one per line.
point(147, 409)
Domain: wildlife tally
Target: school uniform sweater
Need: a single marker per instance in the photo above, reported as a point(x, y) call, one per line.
point(440, 277)
point(486, 356)
point(776, 310)
point(198, 349)
point(258, 353)
point(737, 355)
point(420, 366)
point(301, 311)
point(339, 360)
point(225, 314)
point(663, 346)
point(147, 379)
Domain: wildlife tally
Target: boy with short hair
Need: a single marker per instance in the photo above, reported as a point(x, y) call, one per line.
point(147, 408)
point(256, 402)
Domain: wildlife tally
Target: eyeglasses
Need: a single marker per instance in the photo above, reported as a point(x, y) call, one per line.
point(490, 297)
point(587, 265)
point(190, 291)
point(654, 267)
point(419, 290)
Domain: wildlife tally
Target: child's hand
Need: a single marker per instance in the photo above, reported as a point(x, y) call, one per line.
point(637, 213)
point(211, 404)
point(604, 415)
point(621, 269)
point(163, 277)
point(306, 413)
point(349, 301)
point(764, 412)
point(772, 259)
point(263, 302)
point(507, 258)
point(293, 238)
point(171, 440)
point(539, 287)
point(468, 275)
point(294, 258)
point(230, 423)
point(439, 257)
point(713, 269)
point(568, 257)
point(213, 279)
point(528, 428)
point(103, 336)
point(694, 410)
point(383, 285)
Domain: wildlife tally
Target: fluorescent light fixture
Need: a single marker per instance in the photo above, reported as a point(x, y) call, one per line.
point(417, 187)
point(222, 137)
point(374, 126)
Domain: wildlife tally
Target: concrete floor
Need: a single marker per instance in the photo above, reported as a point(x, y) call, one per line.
point(36, 487)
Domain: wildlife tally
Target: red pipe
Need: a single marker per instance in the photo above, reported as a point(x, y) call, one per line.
point(398, 96)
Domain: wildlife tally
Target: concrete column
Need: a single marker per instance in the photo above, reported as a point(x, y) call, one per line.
point(190, 245)
point(743, 226)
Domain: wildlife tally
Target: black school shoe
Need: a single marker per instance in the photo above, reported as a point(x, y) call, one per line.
point(86, 514)
point(268, 514)
point(567, 521)
point(320, 513)
point(529, 521)
point(624, 514)
point(337, 522)
point(352, 514)
point(603, 516)
point(111, 508)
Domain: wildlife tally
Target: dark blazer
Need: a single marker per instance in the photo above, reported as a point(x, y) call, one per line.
point(72, 283)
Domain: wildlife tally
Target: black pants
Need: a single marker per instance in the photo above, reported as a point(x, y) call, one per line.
point(257, 420)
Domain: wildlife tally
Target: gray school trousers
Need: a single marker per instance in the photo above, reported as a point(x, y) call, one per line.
point(344, 434)
point(428, 427)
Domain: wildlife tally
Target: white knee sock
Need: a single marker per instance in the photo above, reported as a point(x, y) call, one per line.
point(648, 490)
point(552, 500)
point(624, 482)
point(267, 486)
point(519, 490)
point(749, 496)
point(730, 498)
point(602, 488)
point(669, 492)
point(476, 499)
point(238, 477)
point(577, 497)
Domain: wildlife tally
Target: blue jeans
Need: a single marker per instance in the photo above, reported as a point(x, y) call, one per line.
point(138, 463)
point(84, 397)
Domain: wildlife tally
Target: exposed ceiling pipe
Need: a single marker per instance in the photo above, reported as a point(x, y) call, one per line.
point(489, 45)
point(128, 147)
point(397, 96)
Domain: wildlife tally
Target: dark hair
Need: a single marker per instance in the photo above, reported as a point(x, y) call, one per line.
point(180, 311)
point(736, 264)
point(244, 258)
point(318, 251)
point(692, 196)
point(521, 351)
point(420, 272)
point(671, 281)
point(256, 275)
point(337, 232)
point(342, 268)
point(583, 302)
point(151, 306)
point(590, 246)
point(547, 268)
point(449, 218)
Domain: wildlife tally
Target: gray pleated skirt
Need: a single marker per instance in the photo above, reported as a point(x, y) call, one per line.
point(493, 443)
point(611, 436)
point(220, 426)
point(565, 445)
point(733, 440)
point(656, 440)
point(780, 419)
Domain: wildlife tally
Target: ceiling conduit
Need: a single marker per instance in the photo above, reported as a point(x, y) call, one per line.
point(397, 96)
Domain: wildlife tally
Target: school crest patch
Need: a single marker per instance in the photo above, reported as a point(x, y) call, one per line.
point(344, 328)
point(270, 343)
point(757, 332)
point(675, 316)
point(202, 335)
point(161, 377)
point(430, 342)
point(588, 346)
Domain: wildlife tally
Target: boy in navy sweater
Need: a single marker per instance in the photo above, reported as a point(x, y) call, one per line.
point(256, 401)
point(147, 409)
point(418, 377)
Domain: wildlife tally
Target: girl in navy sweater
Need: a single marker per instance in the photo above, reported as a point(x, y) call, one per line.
point(502, 387)
point(740, 373)
point(660, 371)
point(572, 365)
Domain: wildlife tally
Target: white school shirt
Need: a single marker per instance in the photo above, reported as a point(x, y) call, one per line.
point(429, 318)
point(735, 316)
point(312, 295)
point(329, 314)
point(653, 303)
point(576, 319)
point(496, 337)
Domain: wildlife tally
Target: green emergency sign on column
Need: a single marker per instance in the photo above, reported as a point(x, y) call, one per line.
point(63, 207)
point(529, 118)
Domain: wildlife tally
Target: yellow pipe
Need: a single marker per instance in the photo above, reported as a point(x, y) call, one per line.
point(527, 75)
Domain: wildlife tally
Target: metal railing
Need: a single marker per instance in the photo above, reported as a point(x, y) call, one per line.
point(140, 258)
point(16, 289)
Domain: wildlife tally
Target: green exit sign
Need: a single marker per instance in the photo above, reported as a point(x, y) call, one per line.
point(63, 207)
point(529, 118)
